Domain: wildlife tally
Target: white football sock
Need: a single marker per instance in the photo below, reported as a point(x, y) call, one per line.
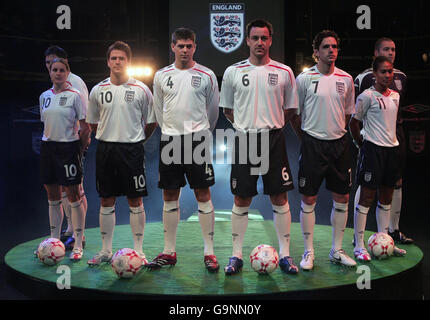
point(282, 221)
point(107, 227)
point(383, 217)
point(171, 217)
point(84, 202)
point(67, 212)
point(207, 224)
point(55, 218)
point(137, 223)
point(338, 218)
point(78, 221)
point(396, 207)
point(360, 218)
point(239, 224)
point(307, 221)
point(357, 197)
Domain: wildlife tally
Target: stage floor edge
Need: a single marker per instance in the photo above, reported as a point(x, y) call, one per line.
point(394, 278)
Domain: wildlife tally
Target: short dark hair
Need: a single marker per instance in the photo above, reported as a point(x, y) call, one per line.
point(379, 42)
point(119, 45)
point(378, 61)
point(61, 60)
point(320, 36)
point(259, 23)
point(56, 50)
point(183, 34)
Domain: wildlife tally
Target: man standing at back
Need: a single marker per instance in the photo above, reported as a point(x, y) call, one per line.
point(186, 105)
point(259, 97)
point(387, 48)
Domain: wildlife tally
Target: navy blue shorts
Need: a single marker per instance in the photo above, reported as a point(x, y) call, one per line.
point(378, 166)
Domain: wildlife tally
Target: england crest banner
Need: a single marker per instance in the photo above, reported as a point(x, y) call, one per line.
point(227, 28)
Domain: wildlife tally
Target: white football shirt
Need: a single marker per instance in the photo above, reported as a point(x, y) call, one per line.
point(185, 101)
point(60, 114)
point(379, 115)
point(258, 95)
point(324, 102)
point(121, 112)
point(79, 84)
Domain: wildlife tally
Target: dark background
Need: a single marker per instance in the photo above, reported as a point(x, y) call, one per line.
point(27, 28)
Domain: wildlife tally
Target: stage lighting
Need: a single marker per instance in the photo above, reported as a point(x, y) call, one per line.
point(223, 147)
point(131, 72)
point(147, 71)
point(305, 69)
point(139, 72)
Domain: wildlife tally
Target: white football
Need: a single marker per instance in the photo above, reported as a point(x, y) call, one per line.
point(126, 263)
point(264, 259)
point(51, 251)
point(380, 245)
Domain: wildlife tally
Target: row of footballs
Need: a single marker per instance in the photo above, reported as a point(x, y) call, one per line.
point(264, 259)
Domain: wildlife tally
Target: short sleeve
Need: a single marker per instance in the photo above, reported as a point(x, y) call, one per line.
point(93, 112)
point(227, 90)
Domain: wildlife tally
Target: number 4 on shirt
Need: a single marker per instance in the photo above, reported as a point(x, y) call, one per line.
point(169, 82)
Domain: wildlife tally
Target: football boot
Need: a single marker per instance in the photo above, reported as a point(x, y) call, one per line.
point(211, 263)
point(234, 265)
point(162, 259)
point(340, 257)
point(287, 265)
point(307, 262)
point(102, 256)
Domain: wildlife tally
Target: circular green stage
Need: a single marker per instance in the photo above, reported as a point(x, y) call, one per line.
point(189, 279)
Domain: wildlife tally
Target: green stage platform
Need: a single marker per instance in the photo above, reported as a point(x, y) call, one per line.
point(189, 279)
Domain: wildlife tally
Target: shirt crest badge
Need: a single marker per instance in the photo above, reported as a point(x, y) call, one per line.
point(63, 101)
point(196, 81)
point(340, 88)
point(129, 96)
point(234, 183)
point(273, 79)
point(367, 176)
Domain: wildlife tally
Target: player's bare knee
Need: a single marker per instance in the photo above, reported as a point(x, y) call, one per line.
point(367, 196)
point(385, 196)
point(242, 202)
point(340, 198)
point(73, 193)
point(279, 199)
point(53, 192)
point(135, 202)
point(107, 202)
point(171, 194)
point(202, 195)
point(309, 200)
